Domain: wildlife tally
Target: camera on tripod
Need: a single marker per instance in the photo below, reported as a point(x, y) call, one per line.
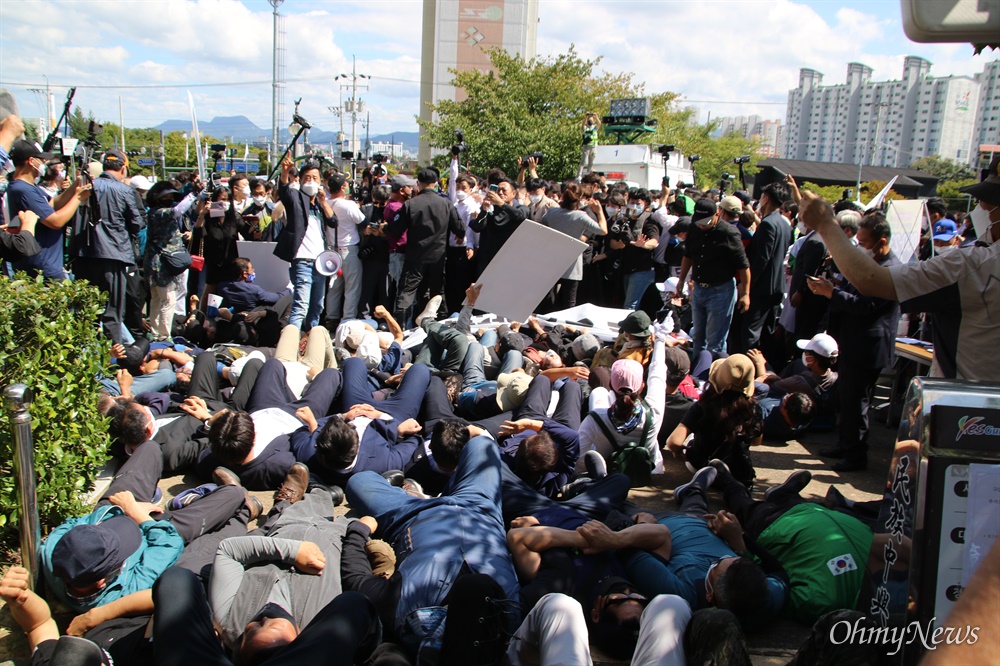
point(378, 168)
point(742, 159)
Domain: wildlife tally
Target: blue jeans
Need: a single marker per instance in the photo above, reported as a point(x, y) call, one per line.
point(712, 309)
point(154, 382)
point(434, 537)
point(635, 286)
point(310, 292)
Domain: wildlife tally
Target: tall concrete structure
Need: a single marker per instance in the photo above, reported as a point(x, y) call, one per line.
point(987, 130)
point(457, 35)
point(767, 132)
point(885, 123)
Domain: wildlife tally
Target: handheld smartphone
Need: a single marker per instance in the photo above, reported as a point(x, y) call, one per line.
point(494, 188)
point(813, 278)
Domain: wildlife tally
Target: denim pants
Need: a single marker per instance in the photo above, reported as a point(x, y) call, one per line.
point(434, 538)
point(635, 286)
point(712, 308)
point(310, 292)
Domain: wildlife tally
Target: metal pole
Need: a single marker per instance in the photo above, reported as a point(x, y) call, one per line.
point(18, 400)
point(274, 77)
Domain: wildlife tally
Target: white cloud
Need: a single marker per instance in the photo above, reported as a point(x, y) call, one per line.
point(745, 51)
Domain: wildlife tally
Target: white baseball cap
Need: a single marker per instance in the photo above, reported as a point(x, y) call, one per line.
point(821, 344)
point(140, 183)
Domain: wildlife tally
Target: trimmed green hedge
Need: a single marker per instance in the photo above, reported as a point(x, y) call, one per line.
point(50, 340)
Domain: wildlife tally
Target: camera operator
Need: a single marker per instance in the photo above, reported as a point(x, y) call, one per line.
point(257, 216)
point(459, 267)
point(373, 250)
point(637, 259)
point(104, 249)
point(345, 292)
point(500, 216)
point(22, 194)
point(591, 126)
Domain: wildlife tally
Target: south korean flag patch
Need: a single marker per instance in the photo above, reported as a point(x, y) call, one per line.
point(842, 564)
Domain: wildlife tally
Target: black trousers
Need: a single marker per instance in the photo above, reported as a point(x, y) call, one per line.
point(111, 277)
point(141, 473)
point(459, 274)
point(417, 278)
point(374, 286)
point(856, 386)
point(180, 442)
point(760, 322)
point(345, 632)
point(755, 516)
point(596, 501)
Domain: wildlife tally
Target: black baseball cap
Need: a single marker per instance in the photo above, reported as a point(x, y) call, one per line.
point(427, 176)
point(114, 155)
point(703, 208)
point(88, 553)
point(22, 151)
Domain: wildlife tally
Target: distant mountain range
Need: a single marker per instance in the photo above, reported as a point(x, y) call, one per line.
point(241, 129)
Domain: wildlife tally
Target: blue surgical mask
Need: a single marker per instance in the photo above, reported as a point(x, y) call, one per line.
point(251, 277)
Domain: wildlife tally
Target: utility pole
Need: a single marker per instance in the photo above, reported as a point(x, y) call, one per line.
point(277, 61)
point(121, 121)
point(355, 105)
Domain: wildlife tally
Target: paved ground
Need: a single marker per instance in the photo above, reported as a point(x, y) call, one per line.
point(773, 463)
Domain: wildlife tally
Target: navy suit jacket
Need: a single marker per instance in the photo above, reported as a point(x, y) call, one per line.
point(380, 450)
point(864, 326)
point(766, 254)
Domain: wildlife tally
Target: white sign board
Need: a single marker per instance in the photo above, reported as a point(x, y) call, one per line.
point(525, 269)
point(272, 273)
point(602, 322)
point(905, 219)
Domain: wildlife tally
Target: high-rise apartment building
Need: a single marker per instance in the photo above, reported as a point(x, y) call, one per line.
point(768, 132)
point(987, 130)
point(887, 123)
point(457, 35)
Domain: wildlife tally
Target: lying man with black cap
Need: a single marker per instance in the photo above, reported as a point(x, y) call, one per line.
point(120, 548)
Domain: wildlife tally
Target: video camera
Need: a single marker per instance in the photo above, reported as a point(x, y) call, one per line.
point(459, 146)
point(538, 156)
point(742, 159)
point(665, 150)
point(378, 168)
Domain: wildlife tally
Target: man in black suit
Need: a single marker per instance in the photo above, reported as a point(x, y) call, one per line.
point(865, 329)
point(766, 254)
point(498, 219)
point(427, 220)
point(809, 307)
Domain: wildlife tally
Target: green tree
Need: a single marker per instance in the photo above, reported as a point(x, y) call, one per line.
point(538, 105)
point(943, 168)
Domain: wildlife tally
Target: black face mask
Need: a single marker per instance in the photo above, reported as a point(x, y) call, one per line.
point(275, 611)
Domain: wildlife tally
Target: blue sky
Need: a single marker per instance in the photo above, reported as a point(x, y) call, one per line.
point(729, 57)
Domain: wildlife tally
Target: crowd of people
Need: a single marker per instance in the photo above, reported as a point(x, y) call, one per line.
point(487, 465)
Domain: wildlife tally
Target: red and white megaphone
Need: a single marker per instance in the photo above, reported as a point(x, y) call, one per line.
point(328, 263)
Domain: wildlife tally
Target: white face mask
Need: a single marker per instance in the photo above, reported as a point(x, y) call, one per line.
point(944, 249)
point(309, 189)
point(869, 253)
point(535, 198)
point(259, 200)
point(294, 186)
point(613, 211)
point(460, 195)
point(982, 224)
point(246, 190)
point(635, 210)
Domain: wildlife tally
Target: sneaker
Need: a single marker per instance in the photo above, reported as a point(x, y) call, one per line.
point(596, 466)
point(702, 479)
point(851, 464)
point(574, 488)
point(293, 488)
point(835, 499)
point(157, 495)
point(190, 495)
point(430, 310)
point(793, 485)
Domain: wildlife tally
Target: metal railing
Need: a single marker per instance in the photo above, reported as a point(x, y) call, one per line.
point(17, 399)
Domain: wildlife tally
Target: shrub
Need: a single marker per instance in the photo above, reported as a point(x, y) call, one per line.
point(49, 340)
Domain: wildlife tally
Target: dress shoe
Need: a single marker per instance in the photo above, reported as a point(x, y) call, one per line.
point(834, 452)
point(597, 467)
point(293, 488)
point(851, 465)
point(395, 477)
point(225, 477)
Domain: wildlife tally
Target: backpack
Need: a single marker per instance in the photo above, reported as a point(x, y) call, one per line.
point(633, 458)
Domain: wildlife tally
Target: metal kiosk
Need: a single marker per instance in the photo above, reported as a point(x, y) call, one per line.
point(940, 512)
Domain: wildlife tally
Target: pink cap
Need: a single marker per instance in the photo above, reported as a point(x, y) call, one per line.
point(626, 374)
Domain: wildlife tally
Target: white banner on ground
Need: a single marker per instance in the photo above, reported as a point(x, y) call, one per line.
point(272, 273)
point(905, 219)
point(602, 322)
point(525, 269)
